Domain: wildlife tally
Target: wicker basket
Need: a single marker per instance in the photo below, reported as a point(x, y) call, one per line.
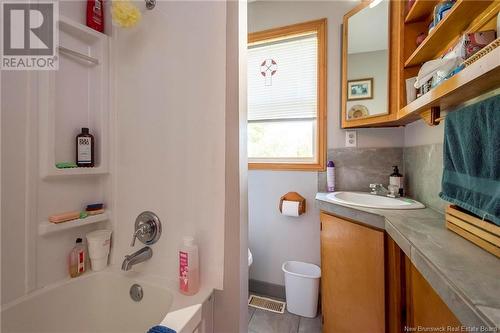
point(484, 234)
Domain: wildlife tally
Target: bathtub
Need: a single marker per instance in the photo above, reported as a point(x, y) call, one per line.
point(100, 303)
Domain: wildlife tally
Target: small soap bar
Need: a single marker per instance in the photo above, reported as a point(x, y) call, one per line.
point(65, 165)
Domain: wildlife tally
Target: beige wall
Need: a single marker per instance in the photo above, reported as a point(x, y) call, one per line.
point(419, 133)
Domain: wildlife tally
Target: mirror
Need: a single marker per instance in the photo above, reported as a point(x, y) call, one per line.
point(366, 61)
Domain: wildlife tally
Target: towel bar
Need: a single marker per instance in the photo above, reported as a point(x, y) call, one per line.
point(78, 55)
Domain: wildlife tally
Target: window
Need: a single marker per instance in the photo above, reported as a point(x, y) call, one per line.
point(287, 97)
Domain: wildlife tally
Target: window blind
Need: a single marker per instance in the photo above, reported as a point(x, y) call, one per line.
point(282, 79)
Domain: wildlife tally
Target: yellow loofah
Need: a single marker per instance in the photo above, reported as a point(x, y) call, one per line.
point(125, 14)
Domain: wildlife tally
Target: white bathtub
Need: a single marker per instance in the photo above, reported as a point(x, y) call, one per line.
point(100, 303)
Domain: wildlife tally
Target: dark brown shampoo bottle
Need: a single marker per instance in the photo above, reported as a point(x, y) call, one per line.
point(85, 149)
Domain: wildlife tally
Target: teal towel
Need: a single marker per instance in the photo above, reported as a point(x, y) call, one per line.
point(471, 175)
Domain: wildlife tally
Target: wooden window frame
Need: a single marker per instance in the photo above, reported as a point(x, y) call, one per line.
point(319, 27)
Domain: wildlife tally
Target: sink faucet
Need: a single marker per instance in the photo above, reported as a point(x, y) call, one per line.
point(378, 189)
point(137, 257)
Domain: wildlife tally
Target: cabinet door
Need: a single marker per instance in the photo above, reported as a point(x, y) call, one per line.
point(425, 307)
point(352, 283)
point(395, 279)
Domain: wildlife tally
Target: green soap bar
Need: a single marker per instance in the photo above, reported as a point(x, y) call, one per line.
point(65, 165)
point(83, 215)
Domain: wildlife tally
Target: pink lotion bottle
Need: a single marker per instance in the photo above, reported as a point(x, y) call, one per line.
point(189, 272)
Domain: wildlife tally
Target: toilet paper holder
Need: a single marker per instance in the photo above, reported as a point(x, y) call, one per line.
point(294, 196)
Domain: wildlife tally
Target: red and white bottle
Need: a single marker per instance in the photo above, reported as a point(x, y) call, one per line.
point(189, 272)
point(95, 15)
point(76, 259)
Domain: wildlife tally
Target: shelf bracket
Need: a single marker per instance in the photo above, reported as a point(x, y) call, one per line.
point(431, 116)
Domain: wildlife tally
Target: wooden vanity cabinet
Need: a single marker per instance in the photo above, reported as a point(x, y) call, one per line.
point(424, 307)
point(352, 282)
point(368, 284)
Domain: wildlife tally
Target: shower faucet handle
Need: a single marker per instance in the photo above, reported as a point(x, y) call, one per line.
point(141, 230)
point(147, 228)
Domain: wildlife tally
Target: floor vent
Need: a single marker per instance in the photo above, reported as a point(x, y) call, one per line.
point(267, 304)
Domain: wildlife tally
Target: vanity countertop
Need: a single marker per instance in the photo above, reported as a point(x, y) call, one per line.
point(466, 277)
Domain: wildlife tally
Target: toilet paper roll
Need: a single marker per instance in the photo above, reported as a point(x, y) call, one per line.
point(290, 208)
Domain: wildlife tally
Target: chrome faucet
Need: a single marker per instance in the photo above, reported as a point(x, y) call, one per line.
point(137, 257)
point(141, 230)
point(147, 229)
point(378, 189)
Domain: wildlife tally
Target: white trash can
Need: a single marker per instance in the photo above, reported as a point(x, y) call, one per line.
point(99, 242)
point(301, 287)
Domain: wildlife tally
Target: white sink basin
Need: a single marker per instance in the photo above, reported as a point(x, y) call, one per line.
point(363, 199)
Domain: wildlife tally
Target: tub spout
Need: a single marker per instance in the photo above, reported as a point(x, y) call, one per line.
point(137, 257)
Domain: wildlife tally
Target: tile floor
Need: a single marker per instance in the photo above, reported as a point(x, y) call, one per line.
point(261, 321)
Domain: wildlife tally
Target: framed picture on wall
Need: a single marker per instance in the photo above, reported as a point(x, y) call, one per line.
point(359, 89)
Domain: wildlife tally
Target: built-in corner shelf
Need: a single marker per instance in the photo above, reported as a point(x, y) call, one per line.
point(47, 227)
point(478, 78)
point(462, 14)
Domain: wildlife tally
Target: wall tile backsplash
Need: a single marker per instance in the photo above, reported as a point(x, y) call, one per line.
point(357, 168)
point(423, 172)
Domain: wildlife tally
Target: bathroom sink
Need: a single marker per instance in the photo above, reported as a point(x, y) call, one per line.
point(364, 199)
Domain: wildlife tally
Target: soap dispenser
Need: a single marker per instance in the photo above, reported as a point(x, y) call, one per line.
point(396, 179)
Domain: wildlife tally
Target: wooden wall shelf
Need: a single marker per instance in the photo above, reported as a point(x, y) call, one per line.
point(448, 30)
point(481, 77)
point(420, 10)
point(476, 79)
